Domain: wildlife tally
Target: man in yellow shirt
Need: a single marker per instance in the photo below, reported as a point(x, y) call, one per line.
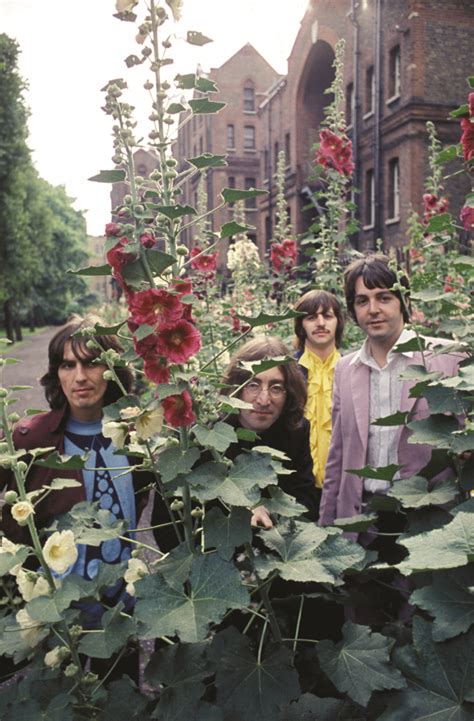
point(318, 336)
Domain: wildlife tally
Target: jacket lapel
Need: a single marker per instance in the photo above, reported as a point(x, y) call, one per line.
point(360, 391)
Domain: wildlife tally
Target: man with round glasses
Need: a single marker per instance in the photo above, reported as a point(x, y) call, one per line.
point(278, 397)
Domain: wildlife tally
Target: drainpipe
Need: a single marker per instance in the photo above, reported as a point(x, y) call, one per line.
point(378, 185)
point(356, 114)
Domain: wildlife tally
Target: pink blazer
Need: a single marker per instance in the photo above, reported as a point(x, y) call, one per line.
point(342, 491)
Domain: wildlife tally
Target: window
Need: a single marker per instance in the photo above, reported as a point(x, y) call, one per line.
point(287, 149)
point(249, 137)
point(276, 150)
point(230, 136)
point(394, 82)
point(394, 189)
point(250, 183)
point(231, 184)
point(350, 104)
point(369, 199)
point(200, 145)
point(249, 99)
point(370, 90)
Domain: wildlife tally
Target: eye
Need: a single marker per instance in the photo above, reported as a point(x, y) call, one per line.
point(252, 387)
point(67, 365)
point(361, 300)
point(277, 389)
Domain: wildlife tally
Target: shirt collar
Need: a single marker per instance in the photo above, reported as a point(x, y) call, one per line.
point(309, 359)
point(363, 354)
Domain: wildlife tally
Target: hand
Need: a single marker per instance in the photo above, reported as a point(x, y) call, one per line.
point(261, 517)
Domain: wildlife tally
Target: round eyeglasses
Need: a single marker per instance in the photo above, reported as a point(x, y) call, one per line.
point(274, 390)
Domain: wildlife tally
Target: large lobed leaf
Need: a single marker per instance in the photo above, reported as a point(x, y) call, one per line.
point(225, 533)
point(117, 629)
point(219, 437)
point(360, 663)
point(415, 492)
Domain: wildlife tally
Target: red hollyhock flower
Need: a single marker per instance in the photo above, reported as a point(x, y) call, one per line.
point(146, 347)
point(283, 255)
point(112, 229)
point(117, 256)
point(156, 370)
point(178, 410)
point(178, 341)
point(148, 240)
point(153, 305)
point(335, 152)
point(467, 214)
point(183, 286)
point(470, 102)
point(205, 263)
point(467, 138)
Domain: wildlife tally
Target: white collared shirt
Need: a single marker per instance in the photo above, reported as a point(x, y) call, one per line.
point(385, 393)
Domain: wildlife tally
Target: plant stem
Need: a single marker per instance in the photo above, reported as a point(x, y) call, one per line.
point(266, 599)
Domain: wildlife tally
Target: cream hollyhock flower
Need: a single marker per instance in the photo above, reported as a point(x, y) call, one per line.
point(56, 656)
point(130, 412)
point(136, 569)
point(149, 423)
point(116, 431)
point(176, 7)
point(31, 585)
point(30, 629)
point(21, 511)
point(60, 551)
point(6, 546)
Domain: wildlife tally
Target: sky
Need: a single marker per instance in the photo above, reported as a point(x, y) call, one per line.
point(70, 50)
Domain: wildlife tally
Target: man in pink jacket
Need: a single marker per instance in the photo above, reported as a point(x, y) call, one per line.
point(367, 386)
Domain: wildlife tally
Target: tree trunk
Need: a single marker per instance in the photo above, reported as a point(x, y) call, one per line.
point(17, 326)
point(7, 312)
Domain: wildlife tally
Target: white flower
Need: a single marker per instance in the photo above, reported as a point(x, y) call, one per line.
point(149, 423)
point(130, 412)
point(6, 546)
point(136, 569)
point(56, 656)
point(31, 629)
point(31, 585)
point(116, 431)
point(60, 551)
point(21, 511)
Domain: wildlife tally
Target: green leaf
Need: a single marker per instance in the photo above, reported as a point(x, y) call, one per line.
point(462, 111)
point(446, 155)
point(117, 630)
point(109, 176)
point(306, 552)
point(264, 318)
point(385, 473)
point(416, 344)
point(112, 411)
point(190, 81)
point(143, 331)
point(91, 524)
point(429, 295)
point(229, 403)
point(179, 670)
point(259, 366)
point(313, 708)
point(447, 547)
point(283, 504)
point(219, 437)
point(57, 484)
point(450, 601)
point(20, 388)
point(439, 675)
point(10, 560)
point(134, 273)
point(436, 431)
point(395, 419)
point(91, 270)
point(50, 609)
point(232, 228)
point(196, 38)
point(176, 566)
point(415, 492)
point(174, 108)
point(251, 688)
point(232, 195)
point(225, 533)
point(440, 222)
point(356, 524)
point(207, 160)
point(173, 461)
point(444, 400)
point(62, 461)
point(175, 211)
point(214, 587)
point(201, 106)
point(124, 702)
point(470, 81)
point(360, 663)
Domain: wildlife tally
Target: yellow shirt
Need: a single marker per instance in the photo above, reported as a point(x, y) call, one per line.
point(318, 407)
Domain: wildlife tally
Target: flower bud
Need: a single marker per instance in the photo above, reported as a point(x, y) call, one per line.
point(148, 85)
point(89, 678)
point(13, 417)
point(182, 250)
point(75, 631)
point(11, 497)
point(71, 670)
point(171, 162)
point(146, 52)
point(166, 44)
point(22, 466)
point(197, 512)
point(108, 375)
point(91, 344)
point(177, 505)
point(3, 392)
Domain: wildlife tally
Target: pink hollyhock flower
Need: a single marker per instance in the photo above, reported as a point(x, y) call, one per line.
point(155, 305)
point(450, 280)
point(112, 229)
point(117, 256)
point(430, 201)
point(183, 286)
point(148, 240)
point(283, 255)
point(156, 370)
point(470, 102)
point(467, 138)
point(205, 263)
point(335, 152)
point(146, 347)
point(178, 410)
point(178, 341)
point(467, 215)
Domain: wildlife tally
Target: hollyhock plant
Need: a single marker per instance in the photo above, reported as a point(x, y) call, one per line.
point(60, 551)
point(178, 342)
point(112, 230)
point(467, 216)
point(155, 305)
point(148, 240)
point(203, 262)
point(283, 255)
point(178, 409)
point(467, 126)
point(156, 370)
point(433, 205)
point(335, 152)
point(182, 286)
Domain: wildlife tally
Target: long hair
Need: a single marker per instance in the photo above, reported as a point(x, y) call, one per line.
point(50, 380)
point(310, 303)
point(376, 273)
point(265, 348)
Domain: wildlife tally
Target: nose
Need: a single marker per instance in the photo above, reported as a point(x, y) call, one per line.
point(373, 306)
point(80, 375)
point(263, 396)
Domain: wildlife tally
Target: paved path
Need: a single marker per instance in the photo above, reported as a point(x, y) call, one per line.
point(33, 354)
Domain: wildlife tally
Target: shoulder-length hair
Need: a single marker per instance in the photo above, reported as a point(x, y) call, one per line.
point(375, 271)
point(71, 332)
point(311, 302)
point(266, 348)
